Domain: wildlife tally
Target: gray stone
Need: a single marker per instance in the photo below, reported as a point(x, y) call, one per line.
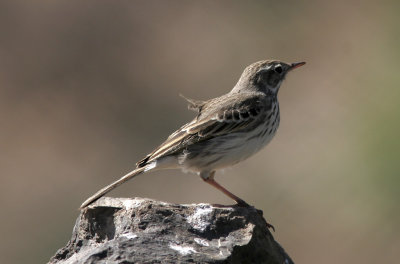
point(117, 230)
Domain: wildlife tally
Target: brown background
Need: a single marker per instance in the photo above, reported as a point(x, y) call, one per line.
point(89, 87)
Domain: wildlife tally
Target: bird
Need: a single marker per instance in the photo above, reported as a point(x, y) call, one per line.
point(226, 130)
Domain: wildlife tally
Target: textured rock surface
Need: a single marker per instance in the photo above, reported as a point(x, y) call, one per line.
point(116, 230)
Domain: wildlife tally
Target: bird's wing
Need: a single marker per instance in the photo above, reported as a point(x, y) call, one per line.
point(219, 116)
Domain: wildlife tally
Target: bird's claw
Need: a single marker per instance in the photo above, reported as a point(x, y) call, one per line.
point(242, 203)
point(270, 226)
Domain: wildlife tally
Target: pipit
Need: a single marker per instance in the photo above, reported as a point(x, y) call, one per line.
point(226, 130)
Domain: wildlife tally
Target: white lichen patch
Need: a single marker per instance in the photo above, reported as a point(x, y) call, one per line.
point(132, 203)
point(201, 242)
point(201, 218)
point(183, 250)
point(129, 235)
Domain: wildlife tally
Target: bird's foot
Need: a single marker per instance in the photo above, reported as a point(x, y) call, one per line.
point(269, 226)
point(242, 203)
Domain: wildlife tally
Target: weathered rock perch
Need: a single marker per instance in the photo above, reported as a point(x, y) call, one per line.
point(116, 230)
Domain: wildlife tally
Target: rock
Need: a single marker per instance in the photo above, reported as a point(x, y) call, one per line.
point(119, 230)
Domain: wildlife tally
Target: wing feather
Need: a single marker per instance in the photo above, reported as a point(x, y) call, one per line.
point(227, 114)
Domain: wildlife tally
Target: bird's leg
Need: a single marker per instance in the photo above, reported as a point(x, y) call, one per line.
point(210, 180)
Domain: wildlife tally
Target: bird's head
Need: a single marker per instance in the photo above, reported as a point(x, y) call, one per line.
point(264, 76)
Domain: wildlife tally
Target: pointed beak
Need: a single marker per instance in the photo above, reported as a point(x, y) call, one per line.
point(296, 65)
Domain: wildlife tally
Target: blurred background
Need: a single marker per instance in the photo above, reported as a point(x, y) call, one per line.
point(89, 88)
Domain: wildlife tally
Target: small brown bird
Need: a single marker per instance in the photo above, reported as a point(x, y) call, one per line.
point(226, 130)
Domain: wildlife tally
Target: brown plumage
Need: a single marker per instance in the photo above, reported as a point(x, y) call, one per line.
point(226, 130)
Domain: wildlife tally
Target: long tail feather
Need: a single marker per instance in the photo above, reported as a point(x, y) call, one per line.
point(113, 185)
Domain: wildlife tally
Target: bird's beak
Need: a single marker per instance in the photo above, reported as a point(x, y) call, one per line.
point(296, 65)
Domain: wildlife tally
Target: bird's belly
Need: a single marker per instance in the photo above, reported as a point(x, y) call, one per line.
point(225, 151)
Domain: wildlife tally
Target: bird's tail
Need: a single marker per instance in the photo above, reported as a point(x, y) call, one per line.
point(113, 185)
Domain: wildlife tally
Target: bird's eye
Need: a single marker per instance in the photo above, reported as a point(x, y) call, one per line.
point(278, 69)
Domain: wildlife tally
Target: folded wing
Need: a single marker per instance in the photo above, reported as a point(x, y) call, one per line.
point(223, 115)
